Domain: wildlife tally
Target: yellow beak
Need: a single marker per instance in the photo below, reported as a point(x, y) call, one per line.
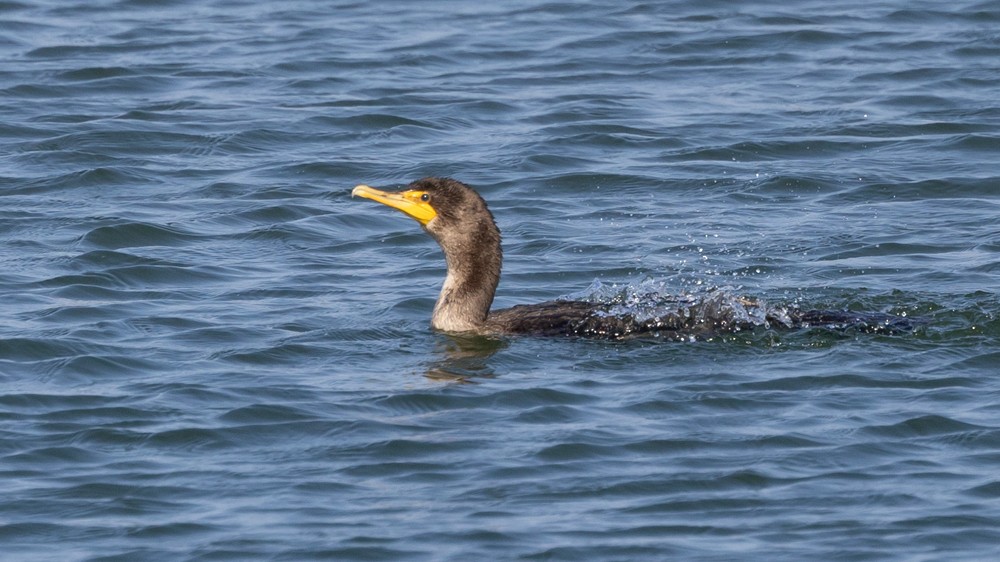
point(410, 202)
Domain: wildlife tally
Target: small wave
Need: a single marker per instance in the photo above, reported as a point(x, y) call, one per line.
point(136, 234)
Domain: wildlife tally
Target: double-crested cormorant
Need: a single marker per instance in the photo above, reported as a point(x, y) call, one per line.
point(458, 219)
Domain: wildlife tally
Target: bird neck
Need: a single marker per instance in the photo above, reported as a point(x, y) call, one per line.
point(473, 274)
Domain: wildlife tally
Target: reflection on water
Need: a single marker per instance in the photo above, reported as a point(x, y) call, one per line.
point(461, 357)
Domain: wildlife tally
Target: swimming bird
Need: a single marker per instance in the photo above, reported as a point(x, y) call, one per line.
point(458, 219)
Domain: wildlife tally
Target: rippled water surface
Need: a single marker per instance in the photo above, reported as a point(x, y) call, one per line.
point(209, 351)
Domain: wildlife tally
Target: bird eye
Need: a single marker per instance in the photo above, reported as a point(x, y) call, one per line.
point(425, 197)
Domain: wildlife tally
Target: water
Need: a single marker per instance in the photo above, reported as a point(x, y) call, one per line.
point(209, 351)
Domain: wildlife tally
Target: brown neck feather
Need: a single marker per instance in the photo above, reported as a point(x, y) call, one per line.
point(474, 257)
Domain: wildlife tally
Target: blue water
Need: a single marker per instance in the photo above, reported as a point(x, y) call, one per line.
point(210, 352)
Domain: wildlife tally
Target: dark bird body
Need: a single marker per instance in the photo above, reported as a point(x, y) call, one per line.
point(459, 220)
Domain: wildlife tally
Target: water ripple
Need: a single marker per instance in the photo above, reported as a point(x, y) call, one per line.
point(210, 351)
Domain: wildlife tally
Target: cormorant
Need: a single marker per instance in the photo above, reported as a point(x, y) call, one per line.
point(459, 220)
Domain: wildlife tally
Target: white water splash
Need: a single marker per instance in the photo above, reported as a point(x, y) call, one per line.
point(650, 301)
